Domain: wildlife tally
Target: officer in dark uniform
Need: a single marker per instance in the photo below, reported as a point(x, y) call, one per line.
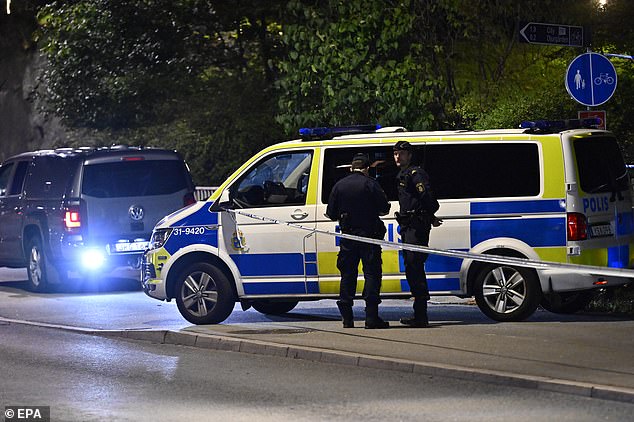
point(357, 201)
point(416, 216)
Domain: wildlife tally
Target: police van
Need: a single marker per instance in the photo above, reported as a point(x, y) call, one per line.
point(541, 192)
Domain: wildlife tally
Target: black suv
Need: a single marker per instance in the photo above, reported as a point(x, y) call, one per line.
point(87, 210)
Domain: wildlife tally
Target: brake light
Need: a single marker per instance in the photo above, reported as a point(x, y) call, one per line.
point(577, 226)
point(189, 199)
point(72, 219)
point(133, 158)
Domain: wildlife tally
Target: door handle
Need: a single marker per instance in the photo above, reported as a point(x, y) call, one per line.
point(299, 214)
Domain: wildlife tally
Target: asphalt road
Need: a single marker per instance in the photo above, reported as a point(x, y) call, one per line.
point(88, 378)
point(582, 354)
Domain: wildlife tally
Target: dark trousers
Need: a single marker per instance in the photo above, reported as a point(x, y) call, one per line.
point(415, 261)
point(350, 253)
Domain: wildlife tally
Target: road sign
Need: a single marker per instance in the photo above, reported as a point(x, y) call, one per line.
point(591, 79)
point(599, 114)
point(552, 34)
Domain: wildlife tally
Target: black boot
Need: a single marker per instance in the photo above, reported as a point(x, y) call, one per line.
point(420, 315)
point(372, 319)
point(346, 314)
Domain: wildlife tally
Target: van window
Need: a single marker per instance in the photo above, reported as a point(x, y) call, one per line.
point(134, 178)
point(600, 164)
point(278, 179)
point(483, 170)
point(382, 168)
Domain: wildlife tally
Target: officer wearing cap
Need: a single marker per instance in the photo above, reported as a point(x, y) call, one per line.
point(357, 201)
point(416, 216)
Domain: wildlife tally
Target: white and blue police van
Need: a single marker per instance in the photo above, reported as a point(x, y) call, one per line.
point(542, 192)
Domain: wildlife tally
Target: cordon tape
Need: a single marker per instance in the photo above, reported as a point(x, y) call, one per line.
point(494, 259)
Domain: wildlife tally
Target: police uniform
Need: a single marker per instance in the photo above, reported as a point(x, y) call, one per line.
point(417, 208)
point(357, 201)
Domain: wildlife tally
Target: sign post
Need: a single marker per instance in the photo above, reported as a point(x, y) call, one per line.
point(591, 79)
point(552, 34)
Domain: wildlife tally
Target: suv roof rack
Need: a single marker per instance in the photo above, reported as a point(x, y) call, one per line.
point(551, 126)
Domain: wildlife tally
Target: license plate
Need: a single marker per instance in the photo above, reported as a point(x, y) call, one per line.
point(129, 247)
point(601, 230)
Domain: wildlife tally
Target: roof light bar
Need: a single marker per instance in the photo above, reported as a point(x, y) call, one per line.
point(589, 123)
point(330, 132)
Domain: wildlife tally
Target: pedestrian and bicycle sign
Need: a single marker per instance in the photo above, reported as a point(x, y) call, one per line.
point(591, 79)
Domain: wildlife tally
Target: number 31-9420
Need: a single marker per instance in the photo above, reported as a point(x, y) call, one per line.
point(180, 231)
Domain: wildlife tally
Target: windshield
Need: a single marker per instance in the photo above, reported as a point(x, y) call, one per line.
point(600, 165)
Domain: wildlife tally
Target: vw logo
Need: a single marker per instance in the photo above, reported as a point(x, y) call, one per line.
point(135, 212)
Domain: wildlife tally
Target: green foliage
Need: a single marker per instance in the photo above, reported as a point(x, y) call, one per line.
point(120, 64)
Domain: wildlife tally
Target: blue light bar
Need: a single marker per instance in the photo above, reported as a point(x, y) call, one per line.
point(589, 123)
point(330, 132)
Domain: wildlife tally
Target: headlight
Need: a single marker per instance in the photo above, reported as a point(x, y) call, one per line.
point(159, 237)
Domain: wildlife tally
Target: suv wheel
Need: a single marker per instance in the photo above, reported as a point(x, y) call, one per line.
point(37, 269)
point(204, 294)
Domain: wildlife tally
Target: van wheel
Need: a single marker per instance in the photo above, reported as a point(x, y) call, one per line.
point(566, 302)
point(274, 308)
point(37, 265)
point(204, 294)
point(505, 293)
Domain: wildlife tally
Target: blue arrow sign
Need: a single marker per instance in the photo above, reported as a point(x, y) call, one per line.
point(591, 79)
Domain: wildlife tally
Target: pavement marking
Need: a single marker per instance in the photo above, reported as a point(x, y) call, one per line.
point(260, 347)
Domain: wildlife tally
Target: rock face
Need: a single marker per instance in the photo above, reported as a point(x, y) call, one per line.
point(23, 127)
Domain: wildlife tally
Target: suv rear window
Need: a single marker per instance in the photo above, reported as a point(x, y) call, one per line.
point(600, 164)
point(134, 178)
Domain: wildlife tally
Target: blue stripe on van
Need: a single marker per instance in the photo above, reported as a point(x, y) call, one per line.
point(435, 263)
point(270, 288)
point(518, 207)
point(536, 232)
point(436, 284)
point(625, 224)
point(619, 256)
point(201, 217)
point(269, 264)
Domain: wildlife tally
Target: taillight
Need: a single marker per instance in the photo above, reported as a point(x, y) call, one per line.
point(72, 218)
point(577, 226)
point(189, 199)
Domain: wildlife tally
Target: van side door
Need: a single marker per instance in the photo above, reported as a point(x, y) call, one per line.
point(273, 259)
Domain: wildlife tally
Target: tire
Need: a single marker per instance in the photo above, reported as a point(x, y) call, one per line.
point(505, 293)
point(37, 268)
point(204, 295)
point(566, 302)
point(273, 308)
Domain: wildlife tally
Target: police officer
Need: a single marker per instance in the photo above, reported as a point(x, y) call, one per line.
point(357, 201)
point(416, 216)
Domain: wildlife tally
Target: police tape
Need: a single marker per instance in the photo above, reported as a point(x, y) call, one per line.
point(492, 259)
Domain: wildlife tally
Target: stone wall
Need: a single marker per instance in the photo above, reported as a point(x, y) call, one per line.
point(23, 126)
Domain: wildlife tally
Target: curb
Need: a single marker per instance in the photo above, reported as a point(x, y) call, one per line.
point(225, 343)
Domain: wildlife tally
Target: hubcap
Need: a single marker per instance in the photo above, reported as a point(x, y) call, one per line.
point(35, 266)
point(504, 289)
point(199, 294)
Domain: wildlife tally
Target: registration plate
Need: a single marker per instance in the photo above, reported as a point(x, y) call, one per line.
point(601, 230)
point(124, 247)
